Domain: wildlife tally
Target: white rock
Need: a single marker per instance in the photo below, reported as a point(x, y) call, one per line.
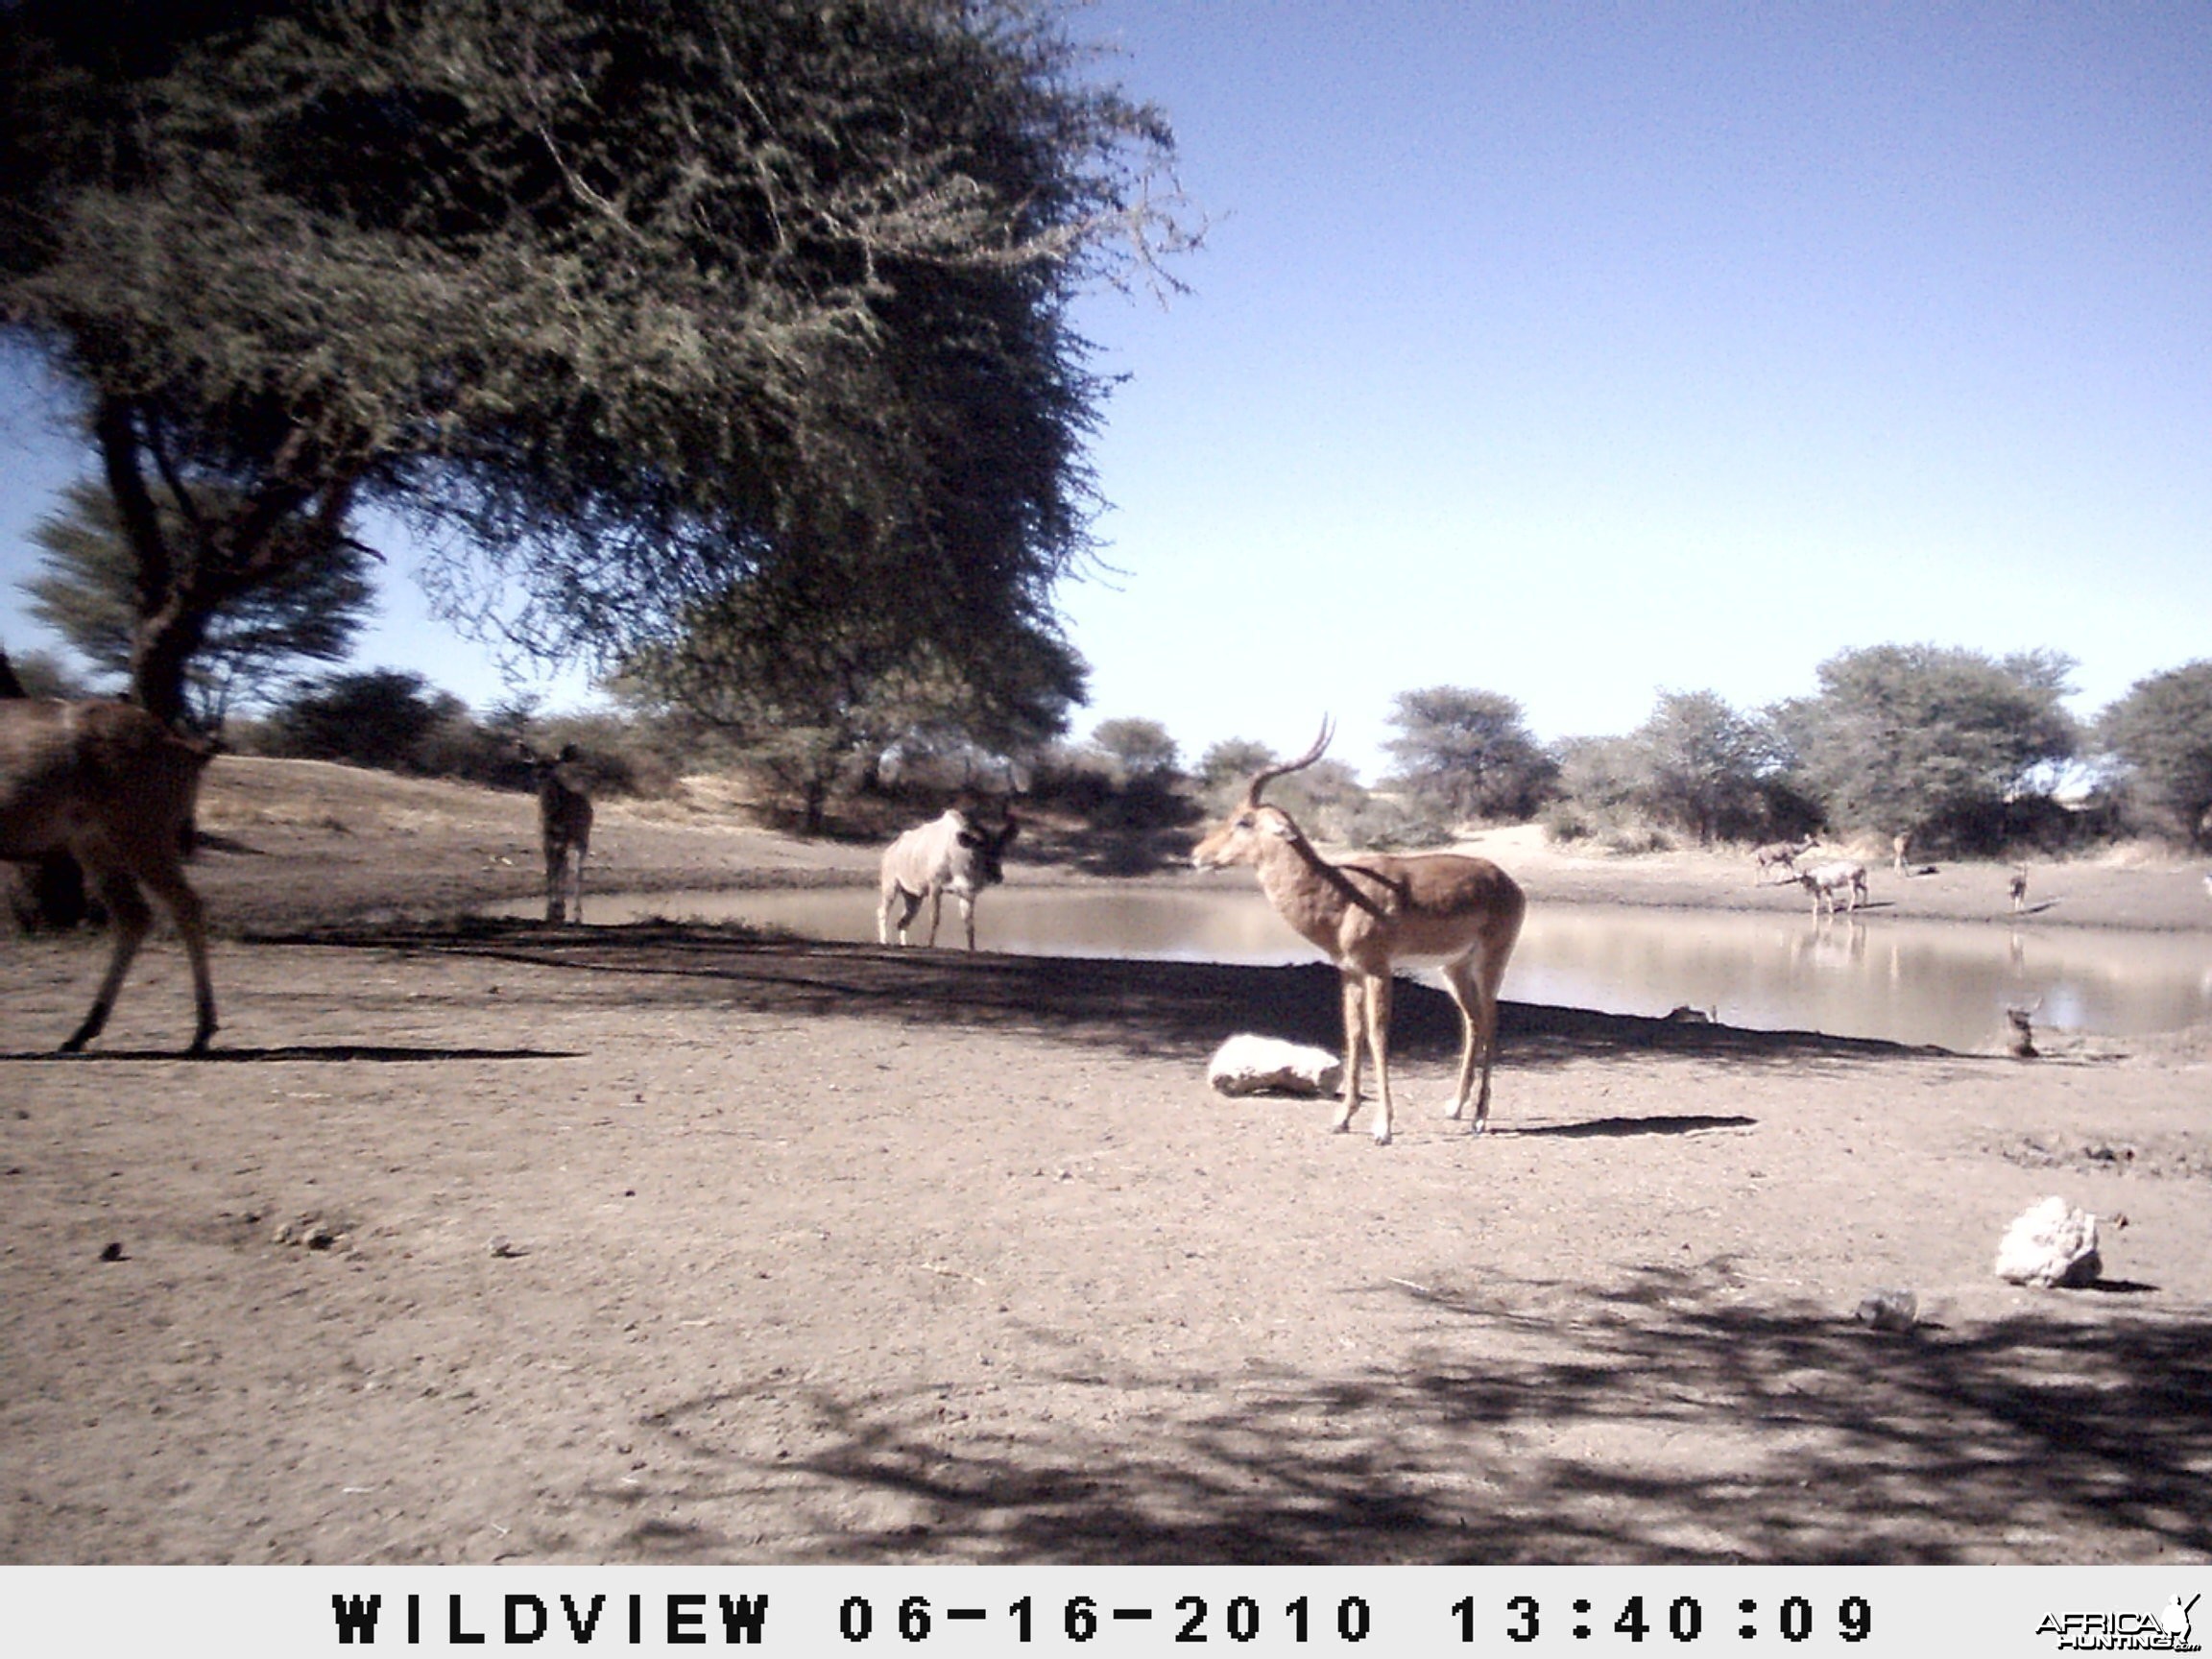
point(2052, 1243)
point(1250, 1065)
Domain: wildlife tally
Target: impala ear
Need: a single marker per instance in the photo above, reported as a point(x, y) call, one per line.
point(1279, 827)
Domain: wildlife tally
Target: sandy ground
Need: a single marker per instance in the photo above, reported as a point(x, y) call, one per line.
point(500, 1241)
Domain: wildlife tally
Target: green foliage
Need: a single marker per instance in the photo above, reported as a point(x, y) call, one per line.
point(2162, 732)
point(1468, 754)
point(1931, 739)
point(311, 609)
point(384, 718)
point(812, 692)
point(621, 305)
point(1135, 748)
point(1702, 766)
point(1600, 789)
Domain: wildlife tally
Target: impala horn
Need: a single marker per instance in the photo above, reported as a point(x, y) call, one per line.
point(1261, 778)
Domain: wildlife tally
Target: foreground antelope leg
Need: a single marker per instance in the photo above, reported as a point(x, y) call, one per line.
point(132, 919)
point(1473, 986)
point(1354, 994)
point(1375, 996)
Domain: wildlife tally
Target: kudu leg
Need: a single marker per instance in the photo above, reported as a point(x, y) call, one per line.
point(131, 918)
point(191, 919)
point(555, 863)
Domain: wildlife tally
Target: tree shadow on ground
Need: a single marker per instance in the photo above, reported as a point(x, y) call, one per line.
point(1175, 1009)
point(1665, 1420)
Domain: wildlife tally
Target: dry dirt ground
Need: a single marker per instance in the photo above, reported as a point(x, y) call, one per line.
point(499, 1241)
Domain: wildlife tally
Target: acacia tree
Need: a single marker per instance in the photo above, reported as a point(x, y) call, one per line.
point(814, 692)
point(312, 608)
point(1135, 748)
point(2163, 731)
point(1701, 763)
point(1932, 739)
point(1468, 754)
point(618, 304)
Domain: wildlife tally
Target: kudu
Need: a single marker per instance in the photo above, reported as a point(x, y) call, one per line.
point(1781, 854)
point(951, 855)
point(1827, 882)
point(1374, 915)
point(115, 788)
point(563, 827)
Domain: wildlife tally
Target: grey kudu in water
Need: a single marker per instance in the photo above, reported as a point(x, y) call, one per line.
point(1375, 914)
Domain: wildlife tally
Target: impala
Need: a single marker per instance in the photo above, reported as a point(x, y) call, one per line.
point(1374, 915)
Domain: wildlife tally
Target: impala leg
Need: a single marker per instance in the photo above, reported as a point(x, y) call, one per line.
point(1378, 986)
point(1475, 988)
point(967, 916)
point(936, 913)
point(576, 887)
point(1355, 1015)
point(127, 914)
point(1459, 981)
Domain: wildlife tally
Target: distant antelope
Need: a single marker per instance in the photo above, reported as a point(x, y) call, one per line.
point(1784, 853)
point(1824, 882)
point(948, 854)
point(1376, 914)
point(563, 827)
point(115, 788)
point(1899, 845)
point(2019, 888)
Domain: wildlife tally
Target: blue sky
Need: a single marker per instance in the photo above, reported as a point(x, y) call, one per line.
point(1583, 351)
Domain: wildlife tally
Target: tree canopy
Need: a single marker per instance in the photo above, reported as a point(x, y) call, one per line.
point(311, 609)
point(2163, 731)
point(621, 305)
point(1928, 738)
point(1468, 753)
point(1702, 764)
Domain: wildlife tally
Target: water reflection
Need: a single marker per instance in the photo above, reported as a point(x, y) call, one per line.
point(1911, 982)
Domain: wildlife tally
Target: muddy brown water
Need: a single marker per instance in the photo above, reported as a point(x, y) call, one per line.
point(1946, 984)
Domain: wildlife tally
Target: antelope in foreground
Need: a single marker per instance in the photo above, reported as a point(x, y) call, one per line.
point(1374, 915)
point(113, 787)
point(949, 855)
point(563, 827)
